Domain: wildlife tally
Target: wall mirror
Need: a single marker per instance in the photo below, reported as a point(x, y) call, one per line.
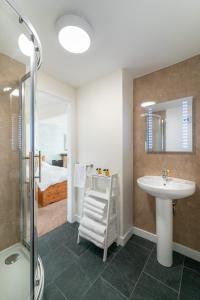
point(168, 125)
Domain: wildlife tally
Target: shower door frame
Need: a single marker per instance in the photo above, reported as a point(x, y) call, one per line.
point(31, 191)
point(32, 246)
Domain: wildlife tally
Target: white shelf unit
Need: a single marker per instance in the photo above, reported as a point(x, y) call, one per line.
point(104, 189)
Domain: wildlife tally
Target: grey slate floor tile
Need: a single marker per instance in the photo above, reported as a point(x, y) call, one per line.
point(142, 242)
point(149, 288)
point(43, 246)
point(101, 290)
point(74, 225)
point(56, 262)
point(77, 249)
point(125, 269)
point(192, 264)
point(73, 282)
point(190, 286)
point(52, 293)
point(92, 263)
point(171, 276)
point(59, 236)
point(74, 271)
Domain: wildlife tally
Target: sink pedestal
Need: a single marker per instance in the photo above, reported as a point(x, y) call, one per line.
point(165, 192)
point(164, 230)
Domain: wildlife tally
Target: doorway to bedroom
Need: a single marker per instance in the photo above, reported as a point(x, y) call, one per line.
point(53, 144)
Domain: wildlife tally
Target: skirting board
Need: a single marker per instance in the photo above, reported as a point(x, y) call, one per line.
point(77, 218)
point(124, 239)
point(194, 254)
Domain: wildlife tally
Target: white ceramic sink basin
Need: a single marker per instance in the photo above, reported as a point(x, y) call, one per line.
point(172, 188)
point(165, 191)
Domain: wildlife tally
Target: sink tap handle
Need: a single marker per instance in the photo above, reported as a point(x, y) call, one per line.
point(165, 173)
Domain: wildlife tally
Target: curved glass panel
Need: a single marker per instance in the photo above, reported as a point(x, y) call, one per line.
point(18, 234)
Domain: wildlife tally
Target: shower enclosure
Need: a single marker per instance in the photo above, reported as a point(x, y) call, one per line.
point(21, 270)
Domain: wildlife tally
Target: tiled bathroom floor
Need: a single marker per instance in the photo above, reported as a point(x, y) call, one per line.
point(76, 272)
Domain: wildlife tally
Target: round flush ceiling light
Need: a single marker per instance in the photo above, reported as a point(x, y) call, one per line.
point(74, 33)
point(25, 45)
point(148, 103)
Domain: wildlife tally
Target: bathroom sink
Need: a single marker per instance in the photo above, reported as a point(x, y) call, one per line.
point(166, 190)
point(172, 188)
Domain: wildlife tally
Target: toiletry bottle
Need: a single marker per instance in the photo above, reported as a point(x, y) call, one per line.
point(99, 171)
point(107, 172)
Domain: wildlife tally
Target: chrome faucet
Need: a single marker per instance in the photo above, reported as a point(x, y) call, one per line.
point(165, 174)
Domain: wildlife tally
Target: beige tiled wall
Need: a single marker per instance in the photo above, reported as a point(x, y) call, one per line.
point(182, 79)
point(10, 72)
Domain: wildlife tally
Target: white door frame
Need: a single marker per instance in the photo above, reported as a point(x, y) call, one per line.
point(70, 209)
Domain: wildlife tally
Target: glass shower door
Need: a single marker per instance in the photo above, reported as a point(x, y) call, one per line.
point(25, 163)
point(19, 262)
point(31, 172)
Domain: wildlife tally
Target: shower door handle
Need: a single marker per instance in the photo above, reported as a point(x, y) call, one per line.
point(30, 157)
point(27, 181)
point(39, 156)
point(30, 171)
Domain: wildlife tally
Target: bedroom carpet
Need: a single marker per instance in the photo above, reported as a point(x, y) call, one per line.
point(51, 216)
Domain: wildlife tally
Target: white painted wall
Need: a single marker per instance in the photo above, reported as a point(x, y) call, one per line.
point(104, 134)
point(55, 87)
point(101, 132)
point(65, 92)
point(99, 117)
point(127, 151)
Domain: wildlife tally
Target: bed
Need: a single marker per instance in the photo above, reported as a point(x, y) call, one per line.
point(53, 186)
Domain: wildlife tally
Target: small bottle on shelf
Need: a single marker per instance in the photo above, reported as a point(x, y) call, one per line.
point(99, 171)
point(107, 172)
point(104, 172)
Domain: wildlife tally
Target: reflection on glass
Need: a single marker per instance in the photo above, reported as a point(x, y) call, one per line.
point(169, 126)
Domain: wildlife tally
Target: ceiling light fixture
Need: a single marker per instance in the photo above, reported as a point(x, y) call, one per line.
point(74, 33)
point(25, 45)
point(148, 103)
